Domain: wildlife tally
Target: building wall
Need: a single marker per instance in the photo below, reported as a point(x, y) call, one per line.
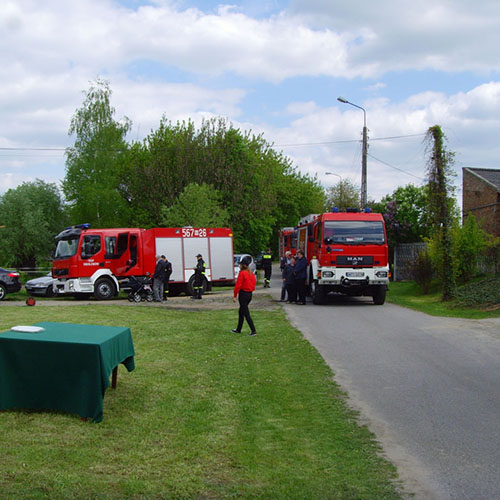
point(482, 200)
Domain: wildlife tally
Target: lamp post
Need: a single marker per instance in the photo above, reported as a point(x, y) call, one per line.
point(365, 151)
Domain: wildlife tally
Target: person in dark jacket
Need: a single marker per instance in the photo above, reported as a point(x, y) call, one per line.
point(300, 277)
point(168, 273)
point(199, 276)
point(267, 265)
point(283, 263)
point(159, 279)
point(289, 281)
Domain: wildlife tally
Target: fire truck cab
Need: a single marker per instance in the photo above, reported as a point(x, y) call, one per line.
point(347, 253)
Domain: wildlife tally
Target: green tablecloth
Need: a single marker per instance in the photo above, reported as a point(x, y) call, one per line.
point(65, 367)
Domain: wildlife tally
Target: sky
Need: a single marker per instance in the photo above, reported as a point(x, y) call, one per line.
point(272, 67)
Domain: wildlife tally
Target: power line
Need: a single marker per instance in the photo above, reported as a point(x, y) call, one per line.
point(327, 143)
point(396, 168)
point(324, 143)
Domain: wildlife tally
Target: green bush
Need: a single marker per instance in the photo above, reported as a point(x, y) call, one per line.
point(485, 293)
point(423, 271)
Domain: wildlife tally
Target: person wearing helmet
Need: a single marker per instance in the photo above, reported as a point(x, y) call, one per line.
point(245, 285)
point(267, 265)
point(199, 276)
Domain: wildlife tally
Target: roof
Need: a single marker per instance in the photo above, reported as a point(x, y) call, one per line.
point(489, 175)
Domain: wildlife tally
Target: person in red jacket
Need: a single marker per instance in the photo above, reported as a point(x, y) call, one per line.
point(245, 285)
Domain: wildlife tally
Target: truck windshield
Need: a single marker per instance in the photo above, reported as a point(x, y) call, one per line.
point(66, 248)
point(354, 232)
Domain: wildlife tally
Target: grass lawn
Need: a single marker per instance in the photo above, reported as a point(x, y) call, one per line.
point(408, 294)
point(205, 415)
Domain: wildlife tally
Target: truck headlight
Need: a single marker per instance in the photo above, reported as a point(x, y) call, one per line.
point(381, 274)
point(327, 274)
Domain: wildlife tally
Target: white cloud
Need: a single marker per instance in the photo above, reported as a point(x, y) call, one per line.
point(447, 35)
point(49, 51)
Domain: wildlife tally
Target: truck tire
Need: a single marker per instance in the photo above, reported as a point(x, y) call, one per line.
point(379, 295)
point(190, 286)
point(104, 289)
point(317, 293)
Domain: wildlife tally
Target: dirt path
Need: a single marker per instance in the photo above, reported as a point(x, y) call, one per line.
point(219, 299)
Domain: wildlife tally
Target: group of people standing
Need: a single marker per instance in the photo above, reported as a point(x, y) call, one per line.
point(163, 271)
point(294, 274)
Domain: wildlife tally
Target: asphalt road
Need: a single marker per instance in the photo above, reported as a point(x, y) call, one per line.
point(429, 388)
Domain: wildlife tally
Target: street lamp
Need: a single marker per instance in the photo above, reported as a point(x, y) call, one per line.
point(365, 150)
point(341, 186)
point(332, 173)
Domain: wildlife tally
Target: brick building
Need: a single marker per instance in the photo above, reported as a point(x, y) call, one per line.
point(481, 197)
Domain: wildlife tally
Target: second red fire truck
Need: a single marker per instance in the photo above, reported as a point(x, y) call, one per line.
point(99, 261)
point(347, 253)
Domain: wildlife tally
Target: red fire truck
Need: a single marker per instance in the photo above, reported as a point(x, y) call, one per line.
point(99, 261)
point(347, 253)
point(288, 240)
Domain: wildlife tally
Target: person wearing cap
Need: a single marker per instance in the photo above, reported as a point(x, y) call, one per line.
point(245, 285)
point(199, 276)
point(166, 283)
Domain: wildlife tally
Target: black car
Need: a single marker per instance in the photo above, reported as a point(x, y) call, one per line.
point(9, 282)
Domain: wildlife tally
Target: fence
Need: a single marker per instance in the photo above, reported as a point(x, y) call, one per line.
point(404, 257)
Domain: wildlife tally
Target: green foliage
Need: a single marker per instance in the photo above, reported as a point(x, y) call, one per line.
point(469, 242)
point(439, 170)
point(343, 195)
point(406, 214)
point(480, 293)
point(492, 252)
point(257, 187)
point(408, 294)
point(423, 271)
point(196, 206)
point(32, 214)
point(94, 163)
point(110, 183)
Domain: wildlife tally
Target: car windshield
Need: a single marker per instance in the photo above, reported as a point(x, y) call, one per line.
point(354, 232)
point(66, 248)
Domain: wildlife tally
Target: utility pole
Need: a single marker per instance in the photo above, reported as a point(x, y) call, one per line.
point(364, 153)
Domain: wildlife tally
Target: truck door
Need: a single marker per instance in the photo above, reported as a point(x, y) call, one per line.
point(122, 253)
point(91, 254)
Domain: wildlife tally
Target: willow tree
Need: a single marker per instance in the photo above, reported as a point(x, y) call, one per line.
point(439, 172)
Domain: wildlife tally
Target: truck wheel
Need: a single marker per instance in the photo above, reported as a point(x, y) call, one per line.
point(379, 296)
point(317, 293)
point(3, 292)
point(104, 289)
point(190, 286)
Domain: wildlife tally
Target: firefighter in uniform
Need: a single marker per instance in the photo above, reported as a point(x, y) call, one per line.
point(199, 276)
point(267, 265)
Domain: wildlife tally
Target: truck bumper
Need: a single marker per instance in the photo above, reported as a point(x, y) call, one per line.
point(72, 286)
